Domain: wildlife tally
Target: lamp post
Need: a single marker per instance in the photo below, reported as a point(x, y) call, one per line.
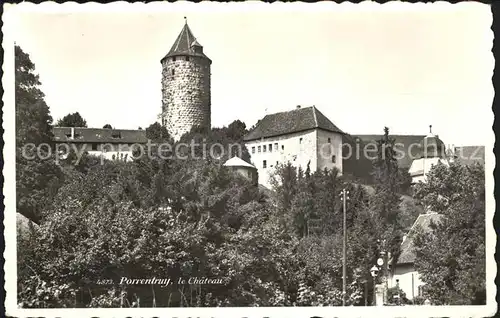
point(374, 272)
point(344, 198)
point(379, 268)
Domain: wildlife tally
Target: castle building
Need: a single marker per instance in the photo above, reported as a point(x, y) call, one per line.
point(431, 152)
point(185, 86)
point(112, 144)
point(301, 136)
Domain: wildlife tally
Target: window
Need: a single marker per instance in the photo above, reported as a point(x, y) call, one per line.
point(334, 159)
point(187, 58)
point(282, 147)
point(300, 140)
point(264, 164)
point(329, 140)
point(253, 149)
point(270, 147)
point(173, 72)
point(249, 174)
point(264, 148)
point(258, 149)
point(174, 58)
point(276, 146)
point(277, 163)
point(94, 146)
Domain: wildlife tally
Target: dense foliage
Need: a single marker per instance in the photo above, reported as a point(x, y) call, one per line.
point(451, 258)
point(73, 120)
point(37, 176)
point(178, 213)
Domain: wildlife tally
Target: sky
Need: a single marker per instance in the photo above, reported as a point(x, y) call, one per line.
point(365, 66)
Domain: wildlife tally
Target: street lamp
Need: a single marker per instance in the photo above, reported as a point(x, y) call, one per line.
point(374, 272)
point(344, 198)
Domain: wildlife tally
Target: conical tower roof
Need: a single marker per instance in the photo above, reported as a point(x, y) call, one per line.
point(186, 44)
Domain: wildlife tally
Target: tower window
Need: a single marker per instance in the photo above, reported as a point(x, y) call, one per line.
point(253, 149)
point(264, 164)
point(270, 147)
point(173, 72)
point(334, 159)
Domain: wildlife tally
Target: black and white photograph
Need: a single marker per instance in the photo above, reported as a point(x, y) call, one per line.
point(249, 159)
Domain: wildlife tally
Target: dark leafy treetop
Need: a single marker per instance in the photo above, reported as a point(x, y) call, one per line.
point(72, 120)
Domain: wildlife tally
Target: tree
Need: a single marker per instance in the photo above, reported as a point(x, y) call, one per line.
point(157, 133)
point(107, 126)
point(451, 257)
point(72, 120)
point(388, 188)
point(37, 176)
point(33, 120)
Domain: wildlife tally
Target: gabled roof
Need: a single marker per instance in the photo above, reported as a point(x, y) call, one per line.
point(185, 43)
point(423, 222)
point(300, 119)
point(470, 154)
point(238, 162)
point(403, 143)
point(99, 135)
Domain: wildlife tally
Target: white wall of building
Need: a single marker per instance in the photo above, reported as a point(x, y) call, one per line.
point(297, 148)
point(409, 279)
point(420, 168)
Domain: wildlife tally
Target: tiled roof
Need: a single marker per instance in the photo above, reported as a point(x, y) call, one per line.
point(300, 119)
point(185, 43)
point(99, 135)
point(423, 222)
point(238, 162)
point(403, 141)
point(470, 154)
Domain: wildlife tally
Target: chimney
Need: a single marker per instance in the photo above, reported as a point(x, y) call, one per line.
point(72, 132)
point(298, 106)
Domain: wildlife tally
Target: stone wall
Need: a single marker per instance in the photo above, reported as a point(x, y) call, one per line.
point(329, 149)
point(185, 94)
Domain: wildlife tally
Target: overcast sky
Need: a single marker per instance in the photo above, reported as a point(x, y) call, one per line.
point(363, 66)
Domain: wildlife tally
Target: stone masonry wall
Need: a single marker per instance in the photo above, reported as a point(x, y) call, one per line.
point(185, 94)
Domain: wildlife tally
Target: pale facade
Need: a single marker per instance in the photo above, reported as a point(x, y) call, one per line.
point(408, 279)
point(431, 151)
point(320, 149)
point(301, 136)
point(421, 167)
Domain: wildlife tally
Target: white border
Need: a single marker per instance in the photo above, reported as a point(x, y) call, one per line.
point(9, 20)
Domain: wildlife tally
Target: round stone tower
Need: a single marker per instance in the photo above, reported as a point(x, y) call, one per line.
point(185, 86)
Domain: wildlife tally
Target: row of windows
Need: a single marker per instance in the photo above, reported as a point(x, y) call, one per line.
point(266, 148)
point(264, 162)
point(269, 147)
